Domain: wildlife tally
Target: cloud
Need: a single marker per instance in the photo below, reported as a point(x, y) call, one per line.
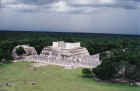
point(60, 6)
point(91, 2)
point(69, 6)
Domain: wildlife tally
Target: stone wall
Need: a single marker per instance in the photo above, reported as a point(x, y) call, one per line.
point(72, 62)
point(65, 45)
point(72, 45)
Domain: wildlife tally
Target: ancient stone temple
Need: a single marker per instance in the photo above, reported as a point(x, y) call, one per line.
point(65, 50)
point(68, 55)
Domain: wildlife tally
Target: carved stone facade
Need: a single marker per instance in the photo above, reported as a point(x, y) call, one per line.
point(69, 55)
point(65, 50)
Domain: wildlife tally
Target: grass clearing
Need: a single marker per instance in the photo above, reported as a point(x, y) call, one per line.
point(22, 77)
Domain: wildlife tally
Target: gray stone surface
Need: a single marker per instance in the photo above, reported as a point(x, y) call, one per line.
point(68, 57)
point(28, 51)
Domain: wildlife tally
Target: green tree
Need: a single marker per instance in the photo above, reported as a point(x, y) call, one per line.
point(20, 51)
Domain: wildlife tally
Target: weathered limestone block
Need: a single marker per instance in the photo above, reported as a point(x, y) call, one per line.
point(28, 51)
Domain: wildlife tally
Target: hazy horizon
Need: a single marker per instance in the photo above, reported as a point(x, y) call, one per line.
point(88, 16)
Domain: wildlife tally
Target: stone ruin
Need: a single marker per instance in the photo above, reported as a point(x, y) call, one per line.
point(28, 51)
point(68, 55)
point(66, 51)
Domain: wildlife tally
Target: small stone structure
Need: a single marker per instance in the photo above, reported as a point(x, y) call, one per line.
point(28, 51)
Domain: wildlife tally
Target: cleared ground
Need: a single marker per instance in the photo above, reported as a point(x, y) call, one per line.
point(22, 77)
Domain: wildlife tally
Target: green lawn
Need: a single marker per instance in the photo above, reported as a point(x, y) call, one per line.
point(22, 77)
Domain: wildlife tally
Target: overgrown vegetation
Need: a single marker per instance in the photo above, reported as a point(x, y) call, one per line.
point(120, 63)
point(20, 51)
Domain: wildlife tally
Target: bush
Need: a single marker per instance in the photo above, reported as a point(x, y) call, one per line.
point(1, 54)
point(5, 56)
point(20, 51)
point(87, 72)
point(105, 72)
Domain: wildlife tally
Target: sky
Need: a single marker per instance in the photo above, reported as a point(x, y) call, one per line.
point(92, 16)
